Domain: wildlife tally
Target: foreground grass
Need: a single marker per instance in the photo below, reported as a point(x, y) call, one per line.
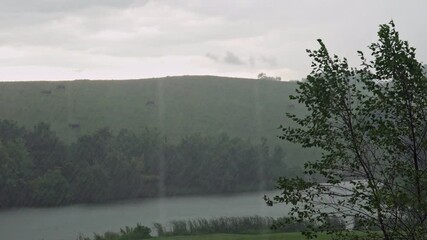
point(269, 236)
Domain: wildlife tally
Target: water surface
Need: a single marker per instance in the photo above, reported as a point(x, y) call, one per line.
point(66, 223)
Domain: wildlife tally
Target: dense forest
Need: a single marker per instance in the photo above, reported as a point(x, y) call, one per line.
point(39, 169)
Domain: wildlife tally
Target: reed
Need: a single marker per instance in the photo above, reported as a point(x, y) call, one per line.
point(233, 225)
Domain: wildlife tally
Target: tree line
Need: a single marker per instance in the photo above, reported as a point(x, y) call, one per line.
point(38, 169)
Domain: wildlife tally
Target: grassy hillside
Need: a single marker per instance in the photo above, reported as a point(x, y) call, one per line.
point(177, 106)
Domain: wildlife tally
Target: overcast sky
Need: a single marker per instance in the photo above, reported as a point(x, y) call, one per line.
point(123, 39)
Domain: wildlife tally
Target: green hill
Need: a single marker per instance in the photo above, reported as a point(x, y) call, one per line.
point(177, 106)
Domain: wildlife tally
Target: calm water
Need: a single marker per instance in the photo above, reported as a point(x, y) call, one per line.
point(65, 223)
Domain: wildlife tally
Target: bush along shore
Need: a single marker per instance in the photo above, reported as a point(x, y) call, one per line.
point(203, 226)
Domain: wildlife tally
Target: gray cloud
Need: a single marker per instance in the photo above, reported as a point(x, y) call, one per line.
point(50, 6)
point(252, 61)
point(134, 32)
point(271, 61)
point(105, 33)
point(232, 58)
point(212, 57)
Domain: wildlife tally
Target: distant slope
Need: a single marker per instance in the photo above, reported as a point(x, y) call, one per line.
point(177, 106)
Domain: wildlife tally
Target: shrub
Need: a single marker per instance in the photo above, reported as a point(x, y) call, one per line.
point(128, 233)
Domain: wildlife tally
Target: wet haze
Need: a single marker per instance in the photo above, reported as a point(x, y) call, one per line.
point(107, 39)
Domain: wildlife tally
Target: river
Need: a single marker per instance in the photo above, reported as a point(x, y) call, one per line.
point(66, 223)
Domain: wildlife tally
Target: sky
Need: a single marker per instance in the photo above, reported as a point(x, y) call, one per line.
point(132, 39)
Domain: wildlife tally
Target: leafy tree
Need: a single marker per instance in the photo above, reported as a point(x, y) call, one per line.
point(15, 168)
point(51, 189)
point(10, 131)
point(263, 76)
point(91, 184)
point(92, 149)
point(370, 124)
point(220, 164)
point(44, 147)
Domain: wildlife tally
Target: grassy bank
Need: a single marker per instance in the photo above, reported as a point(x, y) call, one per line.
point(266, 236)
point(269, 236)
point(250, 227)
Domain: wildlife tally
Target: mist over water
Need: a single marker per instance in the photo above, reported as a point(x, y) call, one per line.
point(65, 223)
